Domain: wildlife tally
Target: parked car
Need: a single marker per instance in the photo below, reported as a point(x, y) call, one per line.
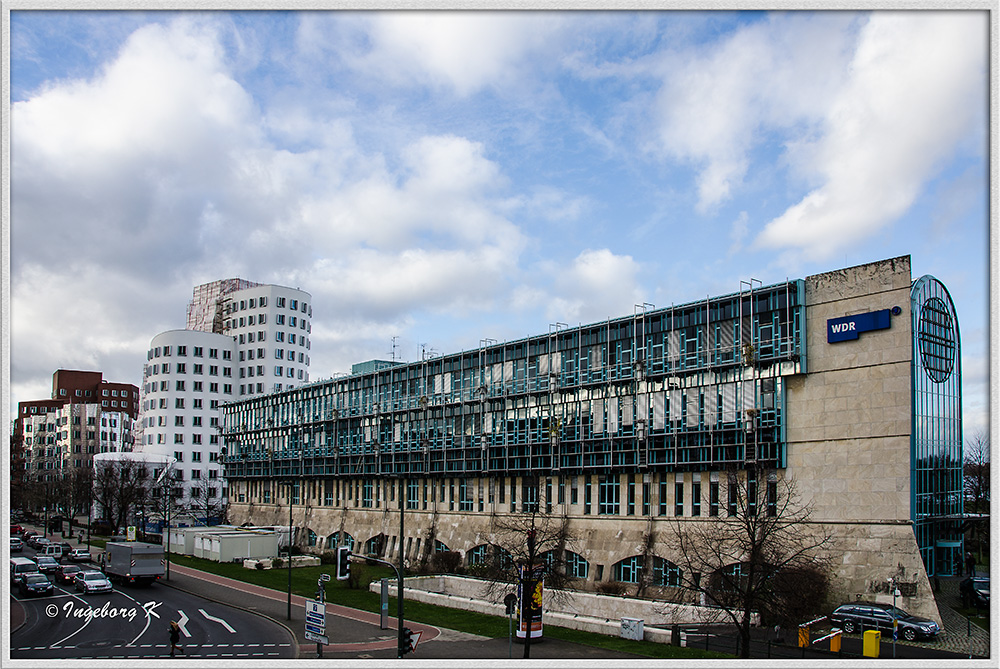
point(27, 534)
point(16, 545)
point(859, 616)
point(92, 581)
point(79, 555)
point(67, 573)
point(16, 529)
point(975, 591)
point(46, 564)
point(35, 584)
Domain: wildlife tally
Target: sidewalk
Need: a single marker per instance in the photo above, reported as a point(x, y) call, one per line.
point(956, 637)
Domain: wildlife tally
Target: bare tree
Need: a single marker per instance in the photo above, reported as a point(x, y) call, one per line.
point(526, 549)
point(121, 488)
point(976, 483)
point(977, 472)
point(206, 500)
point(757, 557)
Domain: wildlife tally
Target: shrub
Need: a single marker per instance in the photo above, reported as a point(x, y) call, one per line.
point(611, 588)
point(277, 563)
point(328, 557)
point(446, 562)
point(259, 566)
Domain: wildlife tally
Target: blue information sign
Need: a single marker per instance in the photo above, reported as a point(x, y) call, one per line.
point(847, 328)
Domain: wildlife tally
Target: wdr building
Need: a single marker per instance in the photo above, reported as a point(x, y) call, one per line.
point(243, 339)
point(847, 383)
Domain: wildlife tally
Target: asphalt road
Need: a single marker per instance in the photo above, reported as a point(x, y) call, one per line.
point(132, 622)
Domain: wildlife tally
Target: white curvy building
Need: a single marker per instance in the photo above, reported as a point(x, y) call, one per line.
point(242, 339)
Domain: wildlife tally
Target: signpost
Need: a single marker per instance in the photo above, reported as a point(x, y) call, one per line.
point(316, 616)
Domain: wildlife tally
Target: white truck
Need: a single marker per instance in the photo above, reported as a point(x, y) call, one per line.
point(132, 562)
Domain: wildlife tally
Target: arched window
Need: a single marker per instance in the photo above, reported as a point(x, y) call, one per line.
point(478, 555)
point(484, 554)
point(311, 537)
point(375, 545)
point(441, 547)
point(576, 565)
point(665, 572)
point(336, 539)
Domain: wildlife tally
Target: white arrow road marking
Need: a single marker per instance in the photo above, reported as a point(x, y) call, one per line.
point(182, 622)
point(217, 620)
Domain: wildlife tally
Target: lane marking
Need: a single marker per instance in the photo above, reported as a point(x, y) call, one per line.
point(182, 623)
point(217, 620)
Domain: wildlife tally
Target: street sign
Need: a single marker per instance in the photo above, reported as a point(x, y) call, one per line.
point(318, 638)
point(316, 621)
point(130, 533)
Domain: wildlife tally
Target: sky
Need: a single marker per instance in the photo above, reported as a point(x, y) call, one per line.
point(434, 179)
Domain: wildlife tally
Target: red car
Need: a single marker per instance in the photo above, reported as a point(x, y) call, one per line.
point(67, 572)
point(16, 529)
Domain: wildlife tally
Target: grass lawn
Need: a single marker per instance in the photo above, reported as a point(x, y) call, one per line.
point(338, 592)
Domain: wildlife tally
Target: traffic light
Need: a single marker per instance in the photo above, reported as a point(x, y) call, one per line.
point(407, 641)
point(343, 563)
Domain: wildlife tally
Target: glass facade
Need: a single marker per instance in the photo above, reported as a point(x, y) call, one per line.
point(936, 438)
point(695, 387)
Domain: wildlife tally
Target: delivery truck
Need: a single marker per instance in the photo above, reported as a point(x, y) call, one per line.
point(132, 562)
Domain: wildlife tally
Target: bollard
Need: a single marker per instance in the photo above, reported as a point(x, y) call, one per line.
point(675, 635)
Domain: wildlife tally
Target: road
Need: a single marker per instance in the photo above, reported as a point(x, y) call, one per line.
point(131, 622)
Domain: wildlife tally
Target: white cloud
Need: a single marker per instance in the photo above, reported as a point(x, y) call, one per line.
point(596, 285)
point(915, 93)
point(462, 51)
point(719, 100)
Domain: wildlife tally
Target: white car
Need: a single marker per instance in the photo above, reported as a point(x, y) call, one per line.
point(92, 581)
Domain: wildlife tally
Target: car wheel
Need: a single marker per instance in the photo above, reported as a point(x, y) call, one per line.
point(909, 634)
point(849, 626)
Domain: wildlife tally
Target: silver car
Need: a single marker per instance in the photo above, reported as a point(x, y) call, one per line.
point(92, 581)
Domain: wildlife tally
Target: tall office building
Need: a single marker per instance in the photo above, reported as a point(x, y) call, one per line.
point(242, 339)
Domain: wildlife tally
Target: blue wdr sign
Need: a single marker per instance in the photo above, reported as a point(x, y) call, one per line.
point(849, 327)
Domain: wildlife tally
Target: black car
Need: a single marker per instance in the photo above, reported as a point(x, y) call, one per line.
point(975, 591)
point(861, 616)
point(35, 584)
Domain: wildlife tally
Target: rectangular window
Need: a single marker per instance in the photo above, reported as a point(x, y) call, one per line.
point(731, 506)
point(645, 498)
point(513, 495)
point(713, 498)
point(752, 493)
point(630, 505)
point(608, 502)
point(772, 498)
point(586, 495)
point(679, 498)
point(663, 498)
point(696, 499)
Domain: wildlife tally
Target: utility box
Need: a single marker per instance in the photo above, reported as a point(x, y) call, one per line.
point(632, 629)
point(872, 641)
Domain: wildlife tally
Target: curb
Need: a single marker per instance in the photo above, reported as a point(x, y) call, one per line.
point(295, 640)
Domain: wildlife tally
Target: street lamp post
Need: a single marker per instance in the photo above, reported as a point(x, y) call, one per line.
point(288, 555)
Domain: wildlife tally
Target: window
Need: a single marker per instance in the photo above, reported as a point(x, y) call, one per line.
point(586, 496)
point(679, 498)
point(182, 350)
point(630, 505)
point(213, 353)
point(279, 319)
point(713, 498)
point(195, 474)
point(772, 497)
point(179, 403)
point(645, 499)
point(178, 421)
point(608, 502)
point(198, 351)
point(731, 506)
point(180, 386)
point(696, 499)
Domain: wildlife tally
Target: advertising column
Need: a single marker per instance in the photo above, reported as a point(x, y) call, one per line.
point(532, 609)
